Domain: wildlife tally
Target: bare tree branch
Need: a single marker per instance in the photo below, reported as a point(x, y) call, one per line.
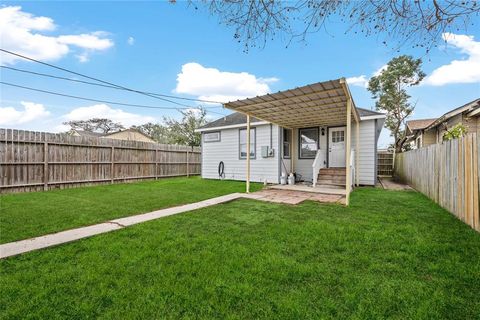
point(401, 22)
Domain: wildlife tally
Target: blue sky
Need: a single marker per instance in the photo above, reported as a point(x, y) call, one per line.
point(174, 49)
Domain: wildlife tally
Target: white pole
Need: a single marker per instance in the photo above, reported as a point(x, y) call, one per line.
point(357, 154)
point(248, 155)
point(347, 160)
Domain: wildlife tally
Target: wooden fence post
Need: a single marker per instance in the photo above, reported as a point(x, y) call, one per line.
point(187, 163)
point(156, 164)
point(73, 161)
point(112, 165)
point(45, 166)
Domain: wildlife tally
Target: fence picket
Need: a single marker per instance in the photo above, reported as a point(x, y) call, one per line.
point(34, 161)
point(447, 173)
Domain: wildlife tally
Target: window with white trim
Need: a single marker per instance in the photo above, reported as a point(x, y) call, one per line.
point(308, 143)
point(287, 141)
point(338, 136)
point(211, 136)
point(243, 143)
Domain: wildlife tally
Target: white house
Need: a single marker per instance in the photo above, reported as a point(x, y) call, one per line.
point(310, 131)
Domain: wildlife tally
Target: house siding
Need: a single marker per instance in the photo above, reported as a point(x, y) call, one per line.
point(227, 150)
point(435, 135)
point(429, 137)
point(367, 154)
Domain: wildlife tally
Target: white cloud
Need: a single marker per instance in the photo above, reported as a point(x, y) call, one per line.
point(379, 70)
point(83, 57)
point(31, 111)
point(131, 41)
point(216, 85)
point(360, 81)
point(90, 41)
point(21, 32)
point(466, 70)
point(104, 111)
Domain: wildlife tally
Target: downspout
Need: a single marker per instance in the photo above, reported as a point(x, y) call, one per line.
point(271, 139)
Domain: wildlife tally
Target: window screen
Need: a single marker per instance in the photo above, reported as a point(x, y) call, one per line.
point(243, 143)
point(308, 142)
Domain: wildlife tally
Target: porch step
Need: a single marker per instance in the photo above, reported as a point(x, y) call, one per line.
point(333, 171)
point(330, 185)
point(332, 177)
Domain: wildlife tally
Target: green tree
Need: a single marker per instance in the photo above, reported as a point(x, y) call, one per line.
point(455, 132)
point(389, 88)
point(183, 131)
point(156, 131)
point(102, 125)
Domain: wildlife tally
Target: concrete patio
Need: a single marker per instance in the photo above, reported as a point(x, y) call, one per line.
point(296, 196)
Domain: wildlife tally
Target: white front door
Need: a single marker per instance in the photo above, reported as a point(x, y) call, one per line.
point(336, 147)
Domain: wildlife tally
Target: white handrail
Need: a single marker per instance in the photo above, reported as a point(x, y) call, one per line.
point(318, 163)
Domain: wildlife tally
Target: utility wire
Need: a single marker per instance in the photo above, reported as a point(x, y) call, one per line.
point(92, 78)
point(97, 100)
point(106, 86)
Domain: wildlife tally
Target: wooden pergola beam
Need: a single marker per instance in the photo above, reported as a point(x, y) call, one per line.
point(295, 110)
point(259, 118)
point(306, 95)
point(325, 101)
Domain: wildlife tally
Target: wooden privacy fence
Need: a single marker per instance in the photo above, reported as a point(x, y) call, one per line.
point(385, 163)
point(32, 161)
point(447, 173)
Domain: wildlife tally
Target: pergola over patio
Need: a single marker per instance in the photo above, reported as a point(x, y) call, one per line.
point(326, 103)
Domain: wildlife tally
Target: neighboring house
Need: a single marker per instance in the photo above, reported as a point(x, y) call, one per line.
point(415, 131)
point(425, 132)
point(82, 133)
point(300, 127)
point(129, 134)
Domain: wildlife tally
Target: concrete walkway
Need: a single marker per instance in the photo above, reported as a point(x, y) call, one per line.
point(390, 184)
point(49, 240)
point(22, 246)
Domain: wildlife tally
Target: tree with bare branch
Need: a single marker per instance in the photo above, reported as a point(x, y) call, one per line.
point(400, 22)
point(101, 125)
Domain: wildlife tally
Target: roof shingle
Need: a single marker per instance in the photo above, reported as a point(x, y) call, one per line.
point(419, 124)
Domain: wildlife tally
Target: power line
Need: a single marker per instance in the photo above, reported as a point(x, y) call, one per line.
point(107, 86)
point(95, 79)
point(97, 100)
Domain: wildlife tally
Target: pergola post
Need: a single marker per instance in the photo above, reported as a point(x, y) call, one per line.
point(348, 177)
point(292, 149)
point(357, 154)
point(247, 178)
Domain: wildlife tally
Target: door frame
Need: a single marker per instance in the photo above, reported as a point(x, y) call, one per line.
point(328, 141)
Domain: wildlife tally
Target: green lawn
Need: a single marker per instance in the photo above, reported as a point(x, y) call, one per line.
point(389, 255)
point(27, 215)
